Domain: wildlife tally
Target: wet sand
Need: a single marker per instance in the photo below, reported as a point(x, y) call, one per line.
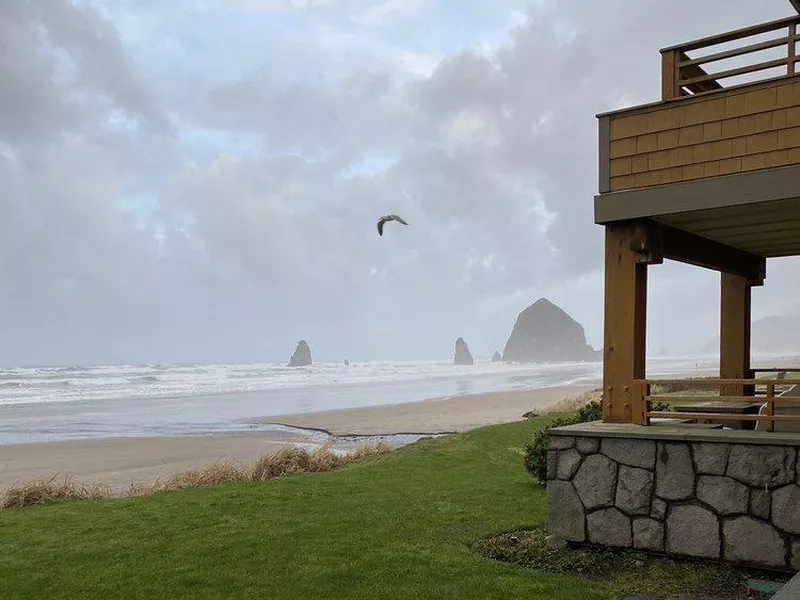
point(450, 414)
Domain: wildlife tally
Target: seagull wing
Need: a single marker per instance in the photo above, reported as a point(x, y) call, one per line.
point(381, 221)
point(398, 219)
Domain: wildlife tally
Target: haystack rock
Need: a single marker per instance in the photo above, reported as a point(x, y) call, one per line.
point(301, 356)
point(496, 357)
point(463, 356)
point(545, 333)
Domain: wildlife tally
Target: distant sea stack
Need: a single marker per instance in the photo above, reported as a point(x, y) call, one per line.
point(496, 357)
point(462, 356)
point(545, 333)
point(301, 356)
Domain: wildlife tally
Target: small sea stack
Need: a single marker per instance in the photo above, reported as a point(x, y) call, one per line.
point(496, 357)
point(462, 356)
point(301, 356)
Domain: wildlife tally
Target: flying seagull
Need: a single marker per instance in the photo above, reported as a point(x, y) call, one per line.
point(385, 218)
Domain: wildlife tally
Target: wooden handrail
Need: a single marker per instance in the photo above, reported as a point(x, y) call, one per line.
point(643, 399)
point(738, 51)
point(683, 75)
point(724, 417)
point(731, 399)
point(715, 382)
point(735, 34)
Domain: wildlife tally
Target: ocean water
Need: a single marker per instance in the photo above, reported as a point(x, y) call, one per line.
point(70, 402)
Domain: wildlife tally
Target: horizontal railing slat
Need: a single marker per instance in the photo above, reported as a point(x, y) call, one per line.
point(752, 399)
point(714, 382)
point(736, 34)
point(721, 416)
point(738, 51)
point(762, 66)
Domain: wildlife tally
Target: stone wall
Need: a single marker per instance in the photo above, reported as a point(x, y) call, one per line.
point(738, 502)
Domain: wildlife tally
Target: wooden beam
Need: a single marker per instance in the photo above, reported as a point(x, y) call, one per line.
point(652, 242)
point(702, 252)
point(734, 338)
point(624, 327)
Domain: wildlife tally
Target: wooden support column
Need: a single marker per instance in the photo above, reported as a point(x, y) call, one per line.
point(734, 338)
point(624, 326)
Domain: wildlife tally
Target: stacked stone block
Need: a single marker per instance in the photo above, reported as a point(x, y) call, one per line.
point(737, 502)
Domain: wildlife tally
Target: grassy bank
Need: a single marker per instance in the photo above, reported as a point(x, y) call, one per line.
point(398, 525)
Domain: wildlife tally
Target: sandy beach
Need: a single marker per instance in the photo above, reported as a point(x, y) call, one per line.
point(437, 415)
point(120, 461)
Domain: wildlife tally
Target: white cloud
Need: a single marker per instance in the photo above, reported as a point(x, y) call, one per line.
point(381, 12)
point(283, 5)
point(417, 63)
point(469, 130)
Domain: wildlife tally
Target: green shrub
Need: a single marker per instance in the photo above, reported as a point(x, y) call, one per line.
point(536, 450)
point(593, 411)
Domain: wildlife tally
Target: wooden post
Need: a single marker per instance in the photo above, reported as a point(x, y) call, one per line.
point(771, 405)
point(669, 75)
point(734, 339)
point(624, 328)
point(792, 55)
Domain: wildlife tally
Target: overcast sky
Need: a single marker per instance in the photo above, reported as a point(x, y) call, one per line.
point(199, 180)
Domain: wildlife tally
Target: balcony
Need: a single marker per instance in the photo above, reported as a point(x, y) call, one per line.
point(721, 145)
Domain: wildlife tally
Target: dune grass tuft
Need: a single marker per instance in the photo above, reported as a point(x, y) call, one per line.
point(217, 473)
point(573, 402)
point(289, 460)
point(40, 491)
point(292, 460)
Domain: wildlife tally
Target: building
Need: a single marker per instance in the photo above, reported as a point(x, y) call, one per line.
point(708, 175)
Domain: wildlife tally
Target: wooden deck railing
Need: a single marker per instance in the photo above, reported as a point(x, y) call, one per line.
point(684, 75)
point(780, 372)
point(643, 399)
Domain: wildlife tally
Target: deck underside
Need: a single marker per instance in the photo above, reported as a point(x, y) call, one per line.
point(757, 212)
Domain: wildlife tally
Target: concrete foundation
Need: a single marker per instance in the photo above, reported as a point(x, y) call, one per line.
point(717, 494)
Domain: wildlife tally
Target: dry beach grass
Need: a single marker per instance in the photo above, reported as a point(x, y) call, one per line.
point(572, 402)
point(289, 460)
point(40, 491)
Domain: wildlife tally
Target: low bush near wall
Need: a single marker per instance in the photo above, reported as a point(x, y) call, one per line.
point(536, 450)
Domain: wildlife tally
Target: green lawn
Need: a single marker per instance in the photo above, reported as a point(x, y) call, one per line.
point(395, 526)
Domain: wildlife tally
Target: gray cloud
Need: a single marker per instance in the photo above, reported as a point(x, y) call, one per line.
point(241, 251)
